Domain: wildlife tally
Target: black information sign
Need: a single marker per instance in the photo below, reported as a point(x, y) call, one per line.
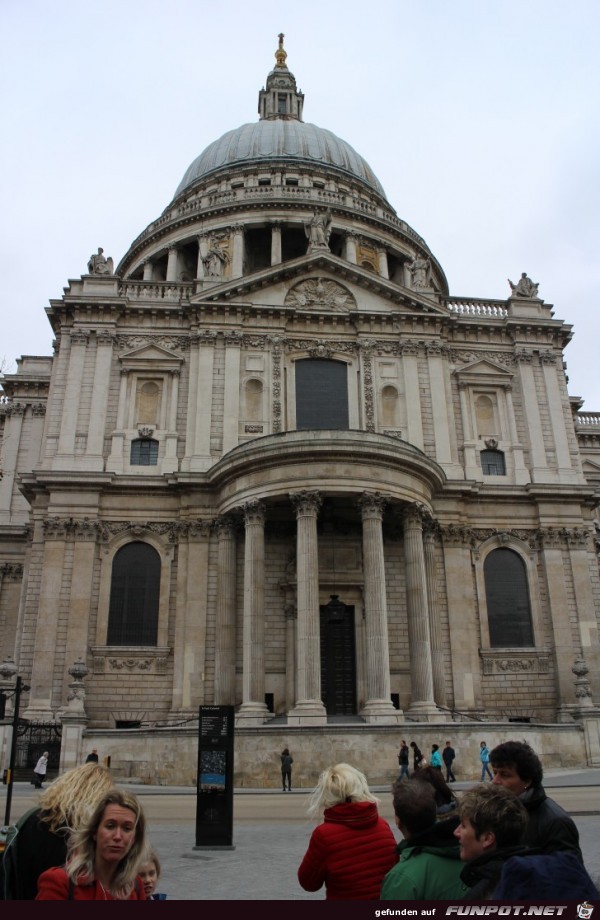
point(214, 795)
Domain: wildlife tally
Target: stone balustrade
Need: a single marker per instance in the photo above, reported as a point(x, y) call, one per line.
point(588, 419)
point(492, 308)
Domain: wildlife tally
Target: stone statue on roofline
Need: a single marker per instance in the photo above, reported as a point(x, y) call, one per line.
point(420, 273)
point(318, 231)
point(99, 265)
point(524, 287)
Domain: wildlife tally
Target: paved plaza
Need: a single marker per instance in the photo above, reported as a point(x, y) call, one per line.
point(271, 833)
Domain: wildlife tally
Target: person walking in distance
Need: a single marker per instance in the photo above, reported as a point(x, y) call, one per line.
point(417, 755)
point(403, 760)
point(286, 769)
point(484, 756)
point(448, 756)
point(40, 770)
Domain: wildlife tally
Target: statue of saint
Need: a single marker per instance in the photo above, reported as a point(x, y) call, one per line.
point(524, 287)
point(215, 260)
point(419, 272)
point(318, 231)
point(99, 264)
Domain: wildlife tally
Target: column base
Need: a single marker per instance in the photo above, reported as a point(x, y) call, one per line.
point(381, 712)
point(307, 712)
point(425, 712)
point(251, 714)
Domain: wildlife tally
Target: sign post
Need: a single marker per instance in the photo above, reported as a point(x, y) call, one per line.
point(214, 791)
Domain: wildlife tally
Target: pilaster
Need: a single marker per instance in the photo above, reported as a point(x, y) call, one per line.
point(422, 700)
point(253, 710)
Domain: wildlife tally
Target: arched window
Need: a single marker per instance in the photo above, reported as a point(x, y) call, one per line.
point(492, 463)
point(507, 594)
point(144, 452)
point(134, 596)
point(486, 416)
point(321, 394)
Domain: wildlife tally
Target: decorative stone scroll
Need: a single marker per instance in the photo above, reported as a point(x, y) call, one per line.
point(130, 660)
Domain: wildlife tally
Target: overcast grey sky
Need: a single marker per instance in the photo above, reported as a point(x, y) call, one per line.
point(480, 118)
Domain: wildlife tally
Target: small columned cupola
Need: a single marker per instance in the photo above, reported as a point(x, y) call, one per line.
point(280, 99)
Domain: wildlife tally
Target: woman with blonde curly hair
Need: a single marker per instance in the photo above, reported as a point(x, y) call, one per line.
point(353, 849)
point(43, 833)
point(103, 857)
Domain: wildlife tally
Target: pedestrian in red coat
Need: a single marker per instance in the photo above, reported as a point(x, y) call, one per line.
point(353, 849)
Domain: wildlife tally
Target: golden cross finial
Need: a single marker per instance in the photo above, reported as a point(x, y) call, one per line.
point(281, 53)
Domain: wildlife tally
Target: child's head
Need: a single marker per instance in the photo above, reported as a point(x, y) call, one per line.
point(149, 871)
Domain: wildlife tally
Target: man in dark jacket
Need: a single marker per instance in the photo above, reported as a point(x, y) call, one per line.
point(448, 756)
point(491, 819)
point(549, 829)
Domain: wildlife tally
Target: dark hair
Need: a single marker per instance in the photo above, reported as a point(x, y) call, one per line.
point(414, 805)
point(494, 808)
point(435, 747)
point(442, 791)
point(519, 755)
point(285, 751)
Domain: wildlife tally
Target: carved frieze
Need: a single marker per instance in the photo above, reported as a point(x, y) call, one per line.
point(169, 342)
point(368, 391)
point(514, 661)
point(11, 571)
point(130, 660)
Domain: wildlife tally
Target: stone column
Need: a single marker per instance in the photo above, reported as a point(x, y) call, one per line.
point(253, 710)
point(291, 620)
point(70, 406)
point(463, 618)
point(309, 709)
point(8, 460)
point(226, 613)
point(148, 270)
point(533, 420)
point(201, 253)
point(237, 261)
point(199, 405)
point(231, 413)
point(172, 263)
point(275, 242)
point(191, 615)
point(351, 246)
point(422, 703)
point(382, 263)
point(435, 629)
point(42, 705)
point(94, 454)
point(378, 707)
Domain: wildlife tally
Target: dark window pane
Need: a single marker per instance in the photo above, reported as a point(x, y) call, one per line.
point(509, 612)
point(144, 452)
point(134, 595)
point(492, 463)
point(321, 394)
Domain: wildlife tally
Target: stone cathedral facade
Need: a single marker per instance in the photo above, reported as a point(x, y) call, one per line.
point(274, 463)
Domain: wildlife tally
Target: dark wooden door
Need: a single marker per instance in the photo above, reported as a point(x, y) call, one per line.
point(338, 660)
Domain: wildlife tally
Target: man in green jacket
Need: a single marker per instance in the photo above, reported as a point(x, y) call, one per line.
point(429, 864)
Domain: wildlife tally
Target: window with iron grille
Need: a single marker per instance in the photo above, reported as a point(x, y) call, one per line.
point(134, 596)
point(507, 594)
point(321, 394)
point(144, 452)
point(492, 463)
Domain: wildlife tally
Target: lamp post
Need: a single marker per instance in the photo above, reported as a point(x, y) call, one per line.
point(8, 670)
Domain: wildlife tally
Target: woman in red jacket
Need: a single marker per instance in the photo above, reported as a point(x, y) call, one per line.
point(103, 856)
point(353, 849)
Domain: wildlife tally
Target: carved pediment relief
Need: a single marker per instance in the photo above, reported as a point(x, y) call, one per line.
point(320, 294)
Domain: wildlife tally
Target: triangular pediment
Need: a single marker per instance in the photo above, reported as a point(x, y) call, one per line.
point(484, 371)
point(320, 282)
point(151, 354)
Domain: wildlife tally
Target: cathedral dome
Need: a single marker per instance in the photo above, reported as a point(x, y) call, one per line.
point(288, 139)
